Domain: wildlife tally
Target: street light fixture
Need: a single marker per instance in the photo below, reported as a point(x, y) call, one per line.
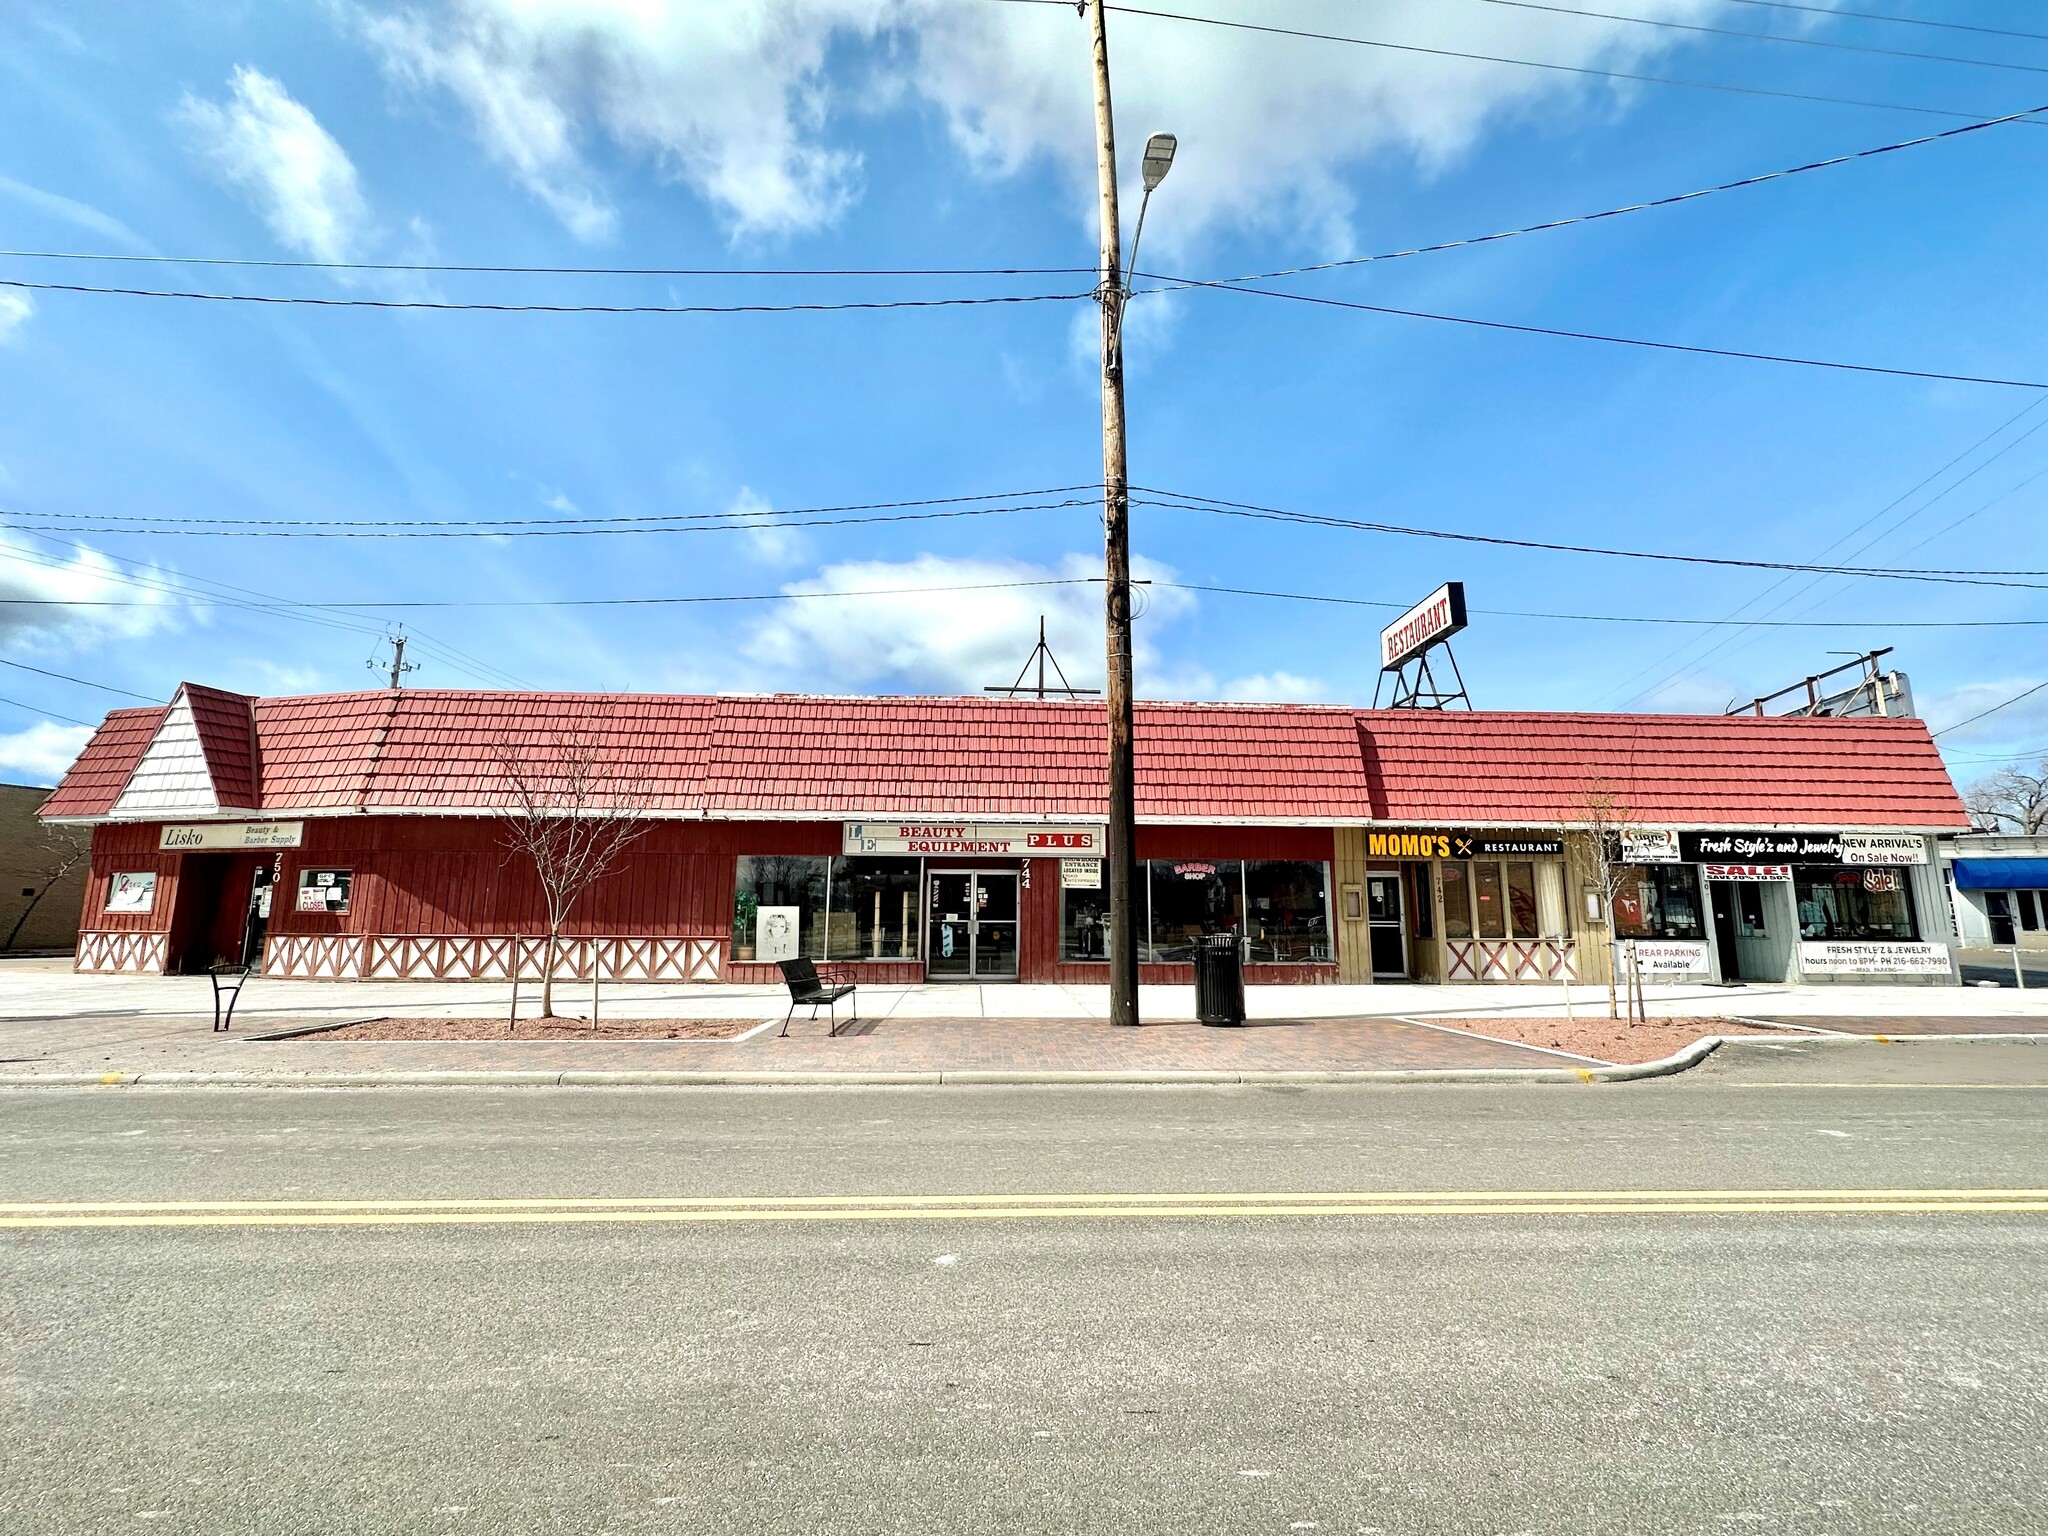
point(1158, 158)
point(1158, 161)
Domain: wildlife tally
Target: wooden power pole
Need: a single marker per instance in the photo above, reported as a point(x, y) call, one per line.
point(1116, 510)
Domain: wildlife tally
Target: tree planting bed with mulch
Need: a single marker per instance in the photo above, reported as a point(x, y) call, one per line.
point(1610, 1040)
point(560, 1029)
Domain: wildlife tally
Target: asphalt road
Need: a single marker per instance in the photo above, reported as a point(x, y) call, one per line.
point(1622, 1371)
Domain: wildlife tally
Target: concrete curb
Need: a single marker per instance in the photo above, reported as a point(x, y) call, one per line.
point(1669, 1066)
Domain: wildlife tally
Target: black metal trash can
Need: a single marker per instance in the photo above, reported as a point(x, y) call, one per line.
point(1219, 979)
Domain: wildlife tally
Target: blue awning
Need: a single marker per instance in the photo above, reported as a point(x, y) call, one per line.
point(2002, 874)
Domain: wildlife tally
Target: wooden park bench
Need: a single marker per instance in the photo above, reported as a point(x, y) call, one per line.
point(807, 987)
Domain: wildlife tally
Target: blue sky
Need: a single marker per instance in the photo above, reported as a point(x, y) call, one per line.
point(956, 133)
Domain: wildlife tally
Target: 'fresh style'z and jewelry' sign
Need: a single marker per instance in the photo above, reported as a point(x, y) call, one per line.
point(973, 839)
point(1861, 958)
point(1761, 845)
point(232, 834)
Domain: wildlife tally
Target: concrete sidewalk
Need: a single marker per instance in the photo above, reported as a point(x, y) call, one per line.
point(46, 991)
point(57, 1025)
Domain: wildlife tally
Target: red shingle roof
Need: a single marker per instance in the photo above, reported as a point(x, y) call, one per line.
point(96, 780)
point(435, 749)
point(227, 737)
point(1689, 770)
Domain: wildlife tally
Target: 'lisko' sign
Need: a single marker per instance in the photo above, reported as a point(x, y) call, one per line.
point(232, 834)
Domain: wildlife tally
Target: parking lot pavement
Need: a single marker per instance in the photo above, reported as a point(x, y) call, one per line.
point(1995, 966)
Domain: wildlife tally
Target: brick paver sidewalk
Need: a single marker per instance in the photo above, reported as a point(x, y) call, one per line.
point(887, 1045)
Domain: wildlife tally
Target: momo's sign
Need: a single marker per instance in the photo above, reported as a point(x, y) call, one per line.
point(1429, 844)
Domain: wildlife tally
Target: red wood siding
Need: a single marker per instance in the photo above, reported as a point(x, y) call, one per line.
point(454, 877)
point(123, 850)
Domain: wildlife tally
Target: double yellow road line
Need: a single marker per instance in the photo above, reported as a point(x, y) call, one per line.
point(575, 1210)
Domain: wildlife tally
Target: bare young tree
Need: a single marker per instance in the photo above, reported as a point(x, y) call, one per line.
point(1599, 816)
point(2011, 801)
point(572, 818)
point(57, 852)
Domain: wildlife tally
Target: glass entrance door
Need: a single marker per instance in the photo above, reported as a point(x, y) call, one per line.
point(973, 926)
point(1384, 928)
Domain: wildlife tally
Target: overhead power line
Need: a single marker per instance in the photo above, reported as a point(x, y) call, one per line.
point(83, 682)
point(1740, 184)
point(1832, 13)
point(1191, 284)
point(760, 518)
point(716, 599)
point(1169, 283)
point(735, 524)
point(1994, 709)
point(1769, 37)
point(1741, 625)
point(1659, 202)
point(1583, 70)
point(1182, 502)
point(223, 595)
point(466, 306)
point(48, 714)
point(504, 269)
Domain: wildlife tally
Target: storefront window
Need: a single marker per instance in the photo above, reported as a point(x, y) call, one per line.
point(779, 907)
point(1286, 911)
point(1492, 917)
point(874, 912)
point(1191, 897)
point(1084, 920)
point(1457, 901)
point(1854, 904)
point(1522, 901)
point(1657, 901)
point(1420, 911)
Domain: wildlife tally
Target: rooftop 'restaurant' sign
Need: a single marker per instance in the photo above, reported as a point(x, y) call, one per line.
point(1430, 622)
point(970, 839)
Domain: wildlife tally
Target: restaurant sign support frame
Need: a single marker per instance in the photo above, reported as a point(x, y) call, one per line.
point(1405, 647)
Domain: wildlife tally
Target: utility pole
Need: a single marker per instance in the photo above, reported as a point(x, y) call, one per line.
point(1116, 512)
point(399, 665)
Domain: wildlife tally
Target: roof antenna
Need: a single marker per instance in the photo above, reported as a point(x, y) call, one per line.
point(398, 666)
point(1040, 655)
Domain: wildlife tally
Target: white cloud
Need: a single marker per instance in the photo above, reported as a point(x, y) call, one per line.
point(772, 545)
point(15, 308)
point(946, 641)
point(83, 215)
point(40, 754)
point(51, 598)
point(1276, 688)
point(274, 151)
point(735, 100)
